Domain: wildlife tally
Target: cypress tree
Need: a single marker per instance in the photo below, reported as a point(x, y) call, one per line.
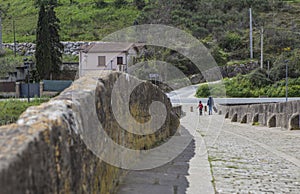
point(43, 47)
point(48, 47)
point(56, 45)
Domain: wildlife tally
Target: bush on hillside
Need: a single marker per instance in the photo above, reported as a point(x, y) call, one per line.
point(241, 86)
point(120, 3)
point(100, 4)
point(203, 91)
point(231, 41)
point(140, 4)
point(259, 78)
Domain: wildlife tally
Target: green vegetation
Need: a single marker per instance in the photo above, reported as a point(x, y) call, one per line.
point(10, 110)
point(8, 62)
point(255, 123)
point(213, 181)
point(84, 20)
point(233, 167)
point(69, 58)
point(223, 25)
point(260, 82)
point(242, 86)
point(49, 49)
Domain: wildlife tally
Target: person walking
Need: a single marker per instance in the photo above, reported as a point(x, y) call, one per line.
point(200, 106)
point(210, 104)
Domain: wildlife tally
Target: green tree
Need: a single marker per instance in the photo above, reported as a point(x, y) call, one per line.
point(140, 4)
point(231, 41)
point(48, 46)
point(119, 3)
point(43, 51)
point(100, 3)
point(56, 45)
point(259, 78)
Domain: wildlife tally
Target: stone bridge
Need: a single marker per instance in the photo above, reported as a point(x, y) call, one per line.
point(284, 114)
point(47, 150)
point(58, 146)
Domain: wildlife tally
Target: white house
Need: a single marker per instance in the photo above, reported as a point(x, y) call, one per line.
point(115, 56)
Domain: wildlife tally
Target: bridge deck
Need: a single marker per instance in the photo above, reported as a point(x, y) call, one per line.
point(241, 159)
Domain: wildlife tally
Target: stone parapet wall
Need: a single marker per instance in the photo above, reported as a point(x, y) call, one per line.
point(48, 150)
point(177, 110)
point(284, 114)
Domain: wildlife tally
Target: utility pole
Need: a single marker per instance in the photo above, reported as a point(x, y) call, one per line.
point(14, 32)
point(268, 69)
point(251, 36)
point(262, 48)
point(286, 80)
point(27, 65)
point(0, 33)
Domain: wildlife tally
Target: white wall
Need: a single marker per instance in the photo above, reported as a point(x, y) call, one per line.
point(89, 61)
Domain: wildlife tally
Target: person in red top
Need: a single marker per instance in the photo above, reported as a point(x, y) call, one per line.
point(200, 106)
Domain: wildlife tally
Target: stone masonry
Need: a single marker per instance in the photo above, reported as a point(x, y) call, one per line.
point(45, 151)
point(284, 114)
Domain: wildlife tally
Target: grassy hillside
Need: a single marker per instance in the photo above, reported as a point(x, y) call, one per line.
point(223, 25)
point(80, 20)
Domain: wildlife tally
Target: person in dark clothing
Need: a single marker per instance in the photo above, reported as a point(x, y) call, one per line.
point(210, 104)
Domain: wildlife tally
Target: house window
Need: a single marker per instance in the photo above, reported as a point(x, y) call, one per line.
point(101, 61)
point(120, 60)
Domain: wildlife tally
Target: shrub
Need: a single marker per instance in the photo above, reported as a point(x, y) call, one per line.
point(100, 4)
point(200, 32)
point(140, 4)
point(203, 91)
point(219, 55)
point(259, 78)
point(119, 3)
point(231, 41)
point(12, 109)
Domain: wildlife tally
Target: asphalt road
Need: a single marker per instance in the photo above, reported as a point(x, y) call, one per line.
point(186, 95)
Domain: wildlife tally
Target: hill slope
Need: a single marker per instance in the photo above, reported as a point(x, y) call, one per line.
point(80, 19)
point(222, 25)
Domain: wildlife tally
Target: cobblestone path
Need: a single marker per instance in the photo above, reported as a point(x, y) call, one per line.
point(241, 159)
point(252, 159)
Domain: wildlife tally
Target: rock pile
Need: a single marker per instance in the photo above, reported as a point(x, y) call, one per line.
point(233, 70)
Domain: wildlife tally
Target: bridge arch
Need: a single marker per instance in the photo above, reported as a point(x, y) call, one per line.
point(234, 117)
point(294, 122)
point(272, 121)
point(255, 119)
point(244, 119)
point(227, 115)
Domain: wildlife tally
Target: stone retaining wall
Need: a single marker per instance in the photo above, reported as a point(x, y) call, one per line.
point(228, 71)
point(46, 150)
point(285, 114)
point(26, 49)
